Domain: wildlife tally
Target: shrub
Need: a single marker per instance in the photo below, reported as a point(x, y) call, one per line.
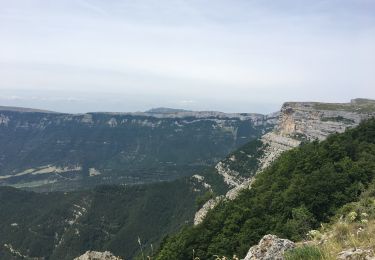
point(304, 253)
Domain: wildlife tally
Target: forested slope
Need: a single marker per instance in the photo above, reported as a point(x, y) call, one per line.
point(301, 189)
point(61, 225)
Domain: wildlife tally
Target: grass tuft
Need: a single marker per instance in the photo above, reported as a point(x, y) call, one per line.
point(304, 253)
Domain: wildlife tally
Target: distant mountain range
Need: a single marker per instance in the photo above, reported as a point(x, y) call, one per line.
point(24, 109)
point(166, 110)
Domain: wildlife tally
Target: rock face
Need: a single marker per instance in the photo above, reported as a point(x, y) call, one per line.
point(274, 145)
point(234, 180)
point(210, 204)
point(270, 247)
point(307, 121)
point(311, 120)
point(231, 177)
point(94, 255)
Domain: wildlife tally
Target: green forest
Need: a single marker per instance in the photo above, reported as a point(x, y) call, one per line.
point(63, 225)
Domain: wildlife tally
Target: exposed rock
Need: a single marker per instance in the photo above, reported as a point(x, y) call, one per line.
point(356, 254)
point(233, 193)
point(274, 146)
point(270, 247)
point(46, 169)
point(210, 204)
point(18, 254)
point(112, 122)
point(200, 179)
point(230, 195)
point(94, 255)
point(311, 120)
point(94, 172)
point(232, 178)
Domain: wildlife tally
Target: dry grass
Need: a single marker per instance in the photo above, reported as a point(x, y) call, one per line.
point(349, 235)
point(354, 229)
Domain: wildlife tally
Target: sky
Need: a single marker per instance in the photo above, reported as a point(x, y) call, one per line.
point(226, 55)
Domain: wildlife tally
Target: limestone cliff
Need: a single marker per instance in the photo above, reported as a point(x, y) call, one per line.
point(311, 120)
point(307, 121)
point(296, 122)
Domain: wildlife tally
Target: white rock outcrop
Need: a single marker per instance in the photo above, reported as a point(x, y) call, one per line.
point(94, 255)
point(274, 145)
point(202, 212)
point(232, 178)
point(270, 247)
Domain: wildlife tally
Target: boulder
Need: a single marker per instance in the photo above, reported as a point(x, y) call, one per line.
point(270, 247)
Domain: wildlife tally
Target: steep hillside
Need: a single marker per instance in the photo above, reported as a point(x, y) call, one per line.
point(302, 188)
point(65, 225)
point(53, 151)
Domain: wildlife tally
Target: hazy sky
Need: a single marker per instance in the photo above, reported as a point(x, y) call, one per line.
point(232, 55)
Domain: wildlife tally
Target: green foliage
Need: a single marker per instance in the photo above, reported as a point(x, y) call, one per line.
point(304, 187)
point(365, 205)
point(353, 226)
point(301, 222)
point(245, 160)
point(113, 217)
point(304, 253)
